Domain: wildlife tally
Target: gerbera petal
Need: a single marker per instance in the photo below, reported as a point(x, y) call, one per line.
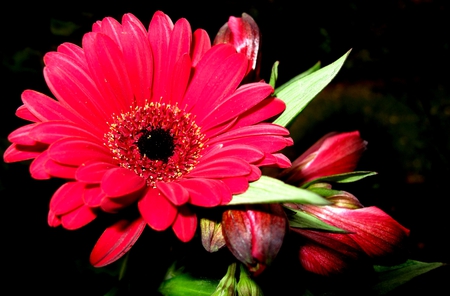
point(240, 101)
point(21, 136)
point(110, 27)
point(223, 167)
point(138, 58)
point(206, 69)
point(159, 32)
point(276, 159)
point(73, 51)
point(255, 174)
point(173, 192)
point(248, 153)
point(157, 210)
point(76, 151)
point(179, 79)
point(67, 198)
point(109, 72)
point(16, 152)
point(205, 192)
point(51, 131)
point(37, 167)
point(24, 113)
point(185, 224)
point(200, 44)
point(237, 185)
point(180, 44)
point(52, 219)
point(45, 108)
point(116, 241)
point(119, 182)
point(215, 81)
point(93, 196)
point(58, 170)
point(93, 172)
point(78, 218)
point(268, 108)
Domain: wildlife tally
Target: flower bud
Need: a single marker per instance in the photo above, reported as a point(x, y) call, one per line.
point(335, 153)
point(212, 236)
point(227, 285)
point(246, 286)
point(243, 33)
point(255, 233)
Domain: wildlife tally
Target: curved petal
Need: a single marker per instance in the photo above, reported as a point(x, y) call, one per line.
point(205, 192)
point(58, 170)
point(157, 211)
point(67, 198)
point(93, 172)
point(78, 218)
point(37, 167)
point(116, 241)
point(51, 131)
point(119, 182)
point(185, 224)
point(200, 45)
point(16, 152)
point(76, 151)
point(217, 168)
point(21, 136)
point(93, 196)
point(24, 113)
point(173, 192)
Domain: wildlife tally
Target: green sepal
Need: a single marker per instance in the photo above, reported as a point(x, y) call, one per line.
point(274, 74)
point(390, 277)
point(341, 178)
point(186, 285)
point(300, 90)
point(325, 192)
point(271, 190)
point(301, 219)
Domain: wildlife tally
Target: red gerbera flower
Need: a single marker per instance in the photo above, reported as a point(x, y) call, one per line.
point(155, 118)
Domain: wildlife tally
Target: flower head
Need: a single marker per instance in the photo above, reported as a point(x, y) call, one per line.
point(156, 119)
point(334, 153)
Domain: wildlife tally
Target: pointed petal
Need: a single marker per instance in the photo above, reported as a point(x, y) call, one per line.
point(78, 218)
point(119, 182)
point(24, 113)
point(205, 192)
point(21, 136)
point(200, 45)
point(157, 211)
point(267, 109)
point(116, 241)
point(67, 198)
point(173, 192)
point(185, 224)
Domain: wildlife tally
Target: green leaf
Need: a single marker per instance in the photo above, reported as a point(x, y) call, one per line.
point(271, 190)
point(342, 178)
point(186, 285)
point(300, 219)
point(299, 76)
point(390, 277)
point(325, 192)
point(274, 74)
point(299, 91)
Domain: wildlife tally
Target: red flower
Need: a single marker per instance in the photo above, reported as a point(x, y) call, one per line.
point(243, 33)
point(335, 153)
point(371, 233)
point(154, 118)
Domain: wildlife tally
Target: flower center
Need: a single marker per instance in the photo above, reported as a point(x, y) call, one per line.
point(159, 142)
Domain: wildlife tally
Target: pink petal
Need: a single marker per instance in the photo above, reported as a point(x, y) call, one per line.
point(217, 168)
point(16, 152)
point(51, 131)
point(115, 241)
point(200, 45)
point(237, 185)
point(156, 210)
point(173, 192)
point(108, 69)
point(205, 192)
point(138, 58)
point(179, 80)
point(37, 167)
point(245, 97)
point(275, 160)
point(78, 218)
point(93, 172)
point(21, 136)
point(159, 33)
point(185, 224)
point(119, 182)
point(76, 151)
point(246, 152)
point(93, 196)
point(67, 198)
point(267, 109)
point(58, 170)
point(52, 219)
point(24, 113)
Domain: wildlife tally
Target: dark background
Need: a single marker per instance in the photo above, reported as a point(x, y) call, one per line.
point(394, 88)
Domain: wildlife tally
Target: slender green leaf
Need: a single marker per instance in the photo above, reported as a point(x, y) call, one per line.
point(390, 277)
point(342, 178)
point(271, 190)
point(274, 74)
point(186, 285)
point(299, 76)
point(300, 219)
point(325, 192)
point(301, 90)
